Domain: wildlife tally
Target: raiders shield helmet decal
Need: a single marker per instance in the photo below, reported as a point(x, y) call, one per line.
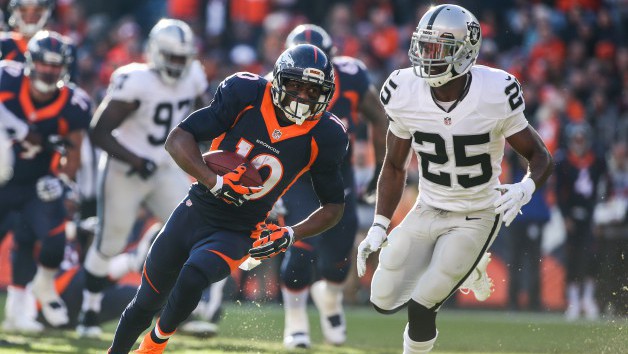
point(474, 32)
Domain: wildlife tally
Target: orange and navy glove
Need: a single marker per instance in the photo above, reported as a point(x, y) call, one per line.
point(230, 190)
point(271, 241)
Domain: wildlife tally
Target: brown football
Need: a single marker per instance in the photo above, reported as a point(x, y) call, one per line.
point(221, 162)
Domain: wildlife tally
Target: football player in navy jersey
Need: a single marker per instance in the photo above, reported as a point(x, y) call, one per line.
point(26, 18)
point(330, 253)
point(282, 128)
point(38, 94)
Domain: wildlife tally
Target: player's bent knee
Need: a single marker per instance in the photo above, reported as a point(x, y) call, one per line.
point(192, 279)
point(387, 312)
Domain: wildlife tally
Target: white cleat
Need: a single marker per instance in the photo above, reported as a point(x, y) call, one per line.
point(573, 311)
point(333, 325)
point(297, 340)
point(199, 328)
point(22, 325)
point(55, 312)
point(20, 311)
point(478, 281)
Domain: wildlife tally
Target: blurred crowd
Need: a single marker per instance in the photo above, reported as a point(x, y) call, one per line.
point(571, 57)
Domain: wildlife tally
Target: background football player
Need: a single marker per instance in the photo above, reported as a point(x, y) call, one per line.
point(38, 93)
point(456, 116)
point(25, 19)
point(6, 155)
point(328, 255)
point(283, 130)
point(143, 103)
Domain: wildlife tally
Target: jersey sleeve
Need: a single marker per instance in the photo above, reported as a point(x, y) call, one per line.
point(325, 171)
point(388, 97)
point(126, 85)
point(200, 79)
point(513, 105)
point(358, 76)
point(514, 124)
point(17, 128)
point(233, 95)
point(80, 110)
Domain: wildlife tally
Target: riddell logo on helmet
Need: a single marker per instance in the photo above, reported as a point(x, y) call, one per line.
point(312, 73)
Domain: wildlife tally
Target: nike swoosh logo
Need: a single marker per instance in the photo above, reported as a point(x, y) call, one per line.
point(468, 218)
point(508, 78)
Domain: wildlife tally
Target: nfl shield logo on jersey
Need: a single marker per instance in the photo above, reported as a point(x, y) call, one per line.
point(276, 134)
point(447, 120)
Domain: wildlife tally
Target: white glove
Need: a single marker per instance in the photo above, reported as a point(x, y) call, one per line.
point(513, 197)
point(371, 243)
point(49, 188)
point(278, 210)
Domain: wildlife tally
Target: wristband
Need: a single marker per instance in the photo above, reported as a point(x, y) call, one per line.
point(381, 221)
point(290, 231)
point(218, 186)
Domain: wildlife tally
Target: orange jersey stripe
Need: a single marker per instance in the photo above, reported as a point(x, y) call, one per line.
point(233, 263)
point(5, 96)
point(148, 280)
point(57, 230)
point(50, 111)
point(272, 124)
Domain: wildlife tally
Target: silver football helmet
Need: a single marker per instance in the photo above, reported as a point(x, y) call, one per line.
point(170, 49)
point(445, 44)
point(29, 21)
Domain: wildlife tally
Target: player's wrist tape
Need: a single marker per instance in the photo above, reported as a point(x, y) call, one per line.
point(290, 231)
point(381, 221)
point(218, 186)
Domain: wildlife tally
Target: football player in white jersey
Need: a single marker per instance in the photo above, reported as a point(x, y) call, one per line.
point(143, 103)
point(456, 116)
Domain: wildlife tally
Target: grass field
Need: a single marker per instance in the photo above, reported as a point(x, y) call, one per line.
point(252, 328)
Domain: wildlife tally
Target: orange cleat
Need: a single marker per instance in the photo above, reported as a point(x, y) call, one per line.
point(148, 346)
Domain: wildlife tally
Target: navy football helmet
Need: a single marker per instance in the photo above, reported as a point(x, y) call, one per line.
point(28, 23)
point(304, 63)
point(52, 49)
point(311, 34)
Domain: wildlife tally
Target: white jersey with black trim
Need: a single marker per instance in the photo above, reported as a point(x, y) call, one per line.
point(460, 152)
point(161, 106)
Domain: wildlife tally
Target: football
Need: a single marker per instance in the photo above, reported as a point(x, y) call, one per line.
point(221, 162)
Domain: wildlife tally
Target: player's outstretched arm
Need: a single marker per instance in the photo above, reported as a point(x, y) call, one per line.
point(273, 240)
point(183, 148)
point(389, 190)
point(108, 116)
point(373, 111)
point(528, 144)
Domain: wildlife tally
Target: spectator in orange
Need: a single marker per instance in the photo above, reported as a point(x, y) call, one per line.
point(383, 41)
point(128, 49)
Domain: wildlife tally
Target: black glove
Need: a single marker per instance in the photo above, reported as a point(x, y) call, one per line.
point(148, 169)
point(272, 240)
point(230, 190)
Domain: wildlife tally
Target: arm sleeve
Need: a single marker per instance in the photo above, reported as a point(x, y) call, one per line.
point(232, 96)
point(326, 173)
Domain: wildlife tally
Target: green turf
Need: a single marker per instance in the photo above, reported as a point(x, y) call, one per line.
point(254, 328)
